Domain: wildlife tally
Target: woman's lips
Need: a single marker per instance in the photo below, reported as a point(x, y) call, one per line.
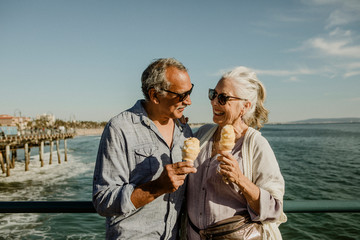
point(218, 113)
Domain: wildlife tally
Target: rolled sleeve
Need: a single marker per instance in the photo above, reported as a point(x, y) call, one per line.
point(270, 208)
point(268, 178)
point(111, 189)
point(126, 204)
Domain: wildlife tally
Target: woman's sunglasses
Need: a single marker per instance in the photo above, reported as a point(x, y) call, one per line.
point(222, 98)
point(182, 96)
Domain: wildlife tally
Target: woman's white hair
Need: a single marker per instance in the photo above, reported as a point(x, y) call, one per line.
point(249, 87)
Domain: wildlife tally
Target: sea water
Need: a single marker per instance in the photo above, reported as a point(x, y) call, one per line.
point(318, 161)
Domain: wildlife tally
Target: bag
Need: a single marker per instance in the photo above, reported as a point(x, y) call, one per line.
point(236, 227)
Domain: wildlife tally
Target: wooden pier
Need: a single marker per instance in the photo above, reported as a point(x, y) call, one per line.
point(10, 144)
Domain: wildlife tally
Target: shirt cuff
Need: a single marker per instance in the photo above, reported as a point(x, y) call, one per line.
point(265, 201)
point(126, 206)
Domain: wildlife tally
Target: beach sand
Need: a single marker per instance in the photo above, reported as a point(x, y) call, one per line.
point(98, 131)
point(89, 131)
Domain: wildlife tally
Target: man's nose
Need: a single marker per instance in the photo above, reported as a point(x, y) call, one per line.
point(187, 100)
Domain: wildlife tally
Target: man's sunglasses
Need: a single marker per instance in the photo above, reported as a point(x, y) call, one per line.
point(222, 98)
point(182, 96)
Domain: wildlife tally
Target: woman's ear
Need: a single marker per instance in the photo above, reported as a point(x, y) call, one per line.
point(153, 95)
point(245, 108)
point(247, 105)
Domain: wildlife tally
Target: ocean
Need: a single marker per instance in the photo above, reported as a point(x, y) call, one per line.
point(318, 161)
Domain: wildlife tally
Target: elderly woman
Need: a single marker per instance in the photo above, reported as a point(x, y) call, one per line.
point(246, 181)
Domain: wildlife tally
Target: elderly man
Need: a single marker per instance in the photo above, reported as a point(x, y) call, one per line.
point(139, 173)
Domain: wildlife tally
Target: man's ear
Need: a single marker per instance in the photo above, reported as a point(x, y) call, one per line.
point(153, 95)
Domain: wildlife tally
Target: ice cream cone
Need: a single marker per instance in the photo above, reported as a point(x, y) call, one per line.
point(227, 138)
point(190, 149)
point(226, 143)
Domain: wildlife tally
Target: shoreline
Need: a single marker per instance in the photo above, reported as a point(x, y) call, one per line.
point(89, 131)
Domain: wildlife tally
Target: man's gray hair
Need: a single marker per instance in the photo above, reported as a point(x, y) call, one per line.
point(154, 75)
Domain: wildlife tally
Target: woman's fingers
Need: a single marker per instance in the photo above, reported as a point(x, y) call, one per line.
point(227, 161)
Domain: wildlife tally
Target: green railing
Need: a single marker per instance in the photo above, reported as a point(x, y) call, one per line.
point(290, 206)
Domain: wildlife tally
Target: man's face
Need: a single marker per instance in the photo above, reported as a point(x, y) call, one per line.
point(179, 83)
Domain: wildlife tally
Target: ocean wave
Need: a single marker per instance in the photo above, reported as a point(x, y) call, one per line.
point(30, 185)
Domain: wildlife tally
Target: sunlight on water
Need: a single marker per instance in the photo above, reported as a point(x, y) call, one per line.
point(69, 180)
point(317, 162)
point(28, 185)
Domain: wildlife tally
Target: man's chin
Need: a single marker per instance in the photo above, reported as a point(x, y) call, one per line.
point(178, 114)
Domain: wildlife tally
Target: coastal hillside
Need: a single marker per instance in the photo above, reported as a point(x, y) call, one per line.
point(329, 120)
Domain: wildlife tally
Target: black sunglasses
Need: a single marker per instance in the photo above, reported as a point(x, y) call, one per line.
point(222, 98)
point(182, 96)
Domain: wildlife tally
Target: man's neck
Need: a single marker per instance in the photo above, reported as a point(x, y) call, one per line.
point(165, 125)
point(155, 116)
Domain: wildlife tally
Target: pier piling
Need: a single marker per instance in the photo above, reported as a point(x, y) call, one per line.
point(2, 162)
point(9, 146)
point(27, 156)
point(65, 150)
point(51, 150)
point(41, 153)
point(13, 157)
point(7, 157)
point(58, 150)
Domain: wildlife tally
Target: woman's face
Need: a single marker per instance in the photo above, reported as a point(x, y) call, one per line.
point(231, 112)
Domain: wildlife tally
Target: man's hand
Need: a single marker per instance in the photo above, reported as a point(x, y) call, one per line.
point(173, 176)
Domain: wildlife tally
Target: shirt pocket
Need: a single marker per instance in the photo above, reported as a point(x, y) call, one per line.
point(146, 164)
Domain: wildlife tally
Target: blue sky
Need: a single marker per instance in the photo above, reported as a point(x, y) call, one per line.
point(83, 60)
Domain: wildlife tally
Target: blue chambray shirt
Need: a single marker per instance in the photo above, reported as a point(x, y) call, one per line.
point(133, 152)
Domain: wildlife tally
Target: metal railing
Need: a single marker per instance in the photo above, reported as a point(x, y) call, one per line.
point(290, 206)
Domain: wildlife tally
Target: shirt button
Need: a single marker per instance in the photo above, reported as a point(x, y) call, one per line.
point(200, 214)
point(203, 189)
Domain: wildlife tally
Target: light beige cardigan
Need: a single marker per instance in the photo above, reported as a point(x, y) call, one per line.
point(271, 228)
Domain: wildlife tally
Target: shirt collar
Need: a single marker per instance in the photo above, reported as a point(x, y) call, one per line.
point(140, 115)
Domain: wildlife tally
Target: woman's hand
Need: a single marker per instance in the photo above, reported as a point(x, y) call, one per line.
point(230, 170)
point(229, 167)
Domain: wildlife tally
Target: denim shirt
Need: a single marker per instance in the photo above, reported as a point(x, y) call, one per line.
point(133, 152)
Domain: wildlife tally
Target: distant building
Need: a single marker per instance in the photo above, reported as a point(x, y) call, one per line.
point(48, 118)
point(6, 120)
point(20, 122)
